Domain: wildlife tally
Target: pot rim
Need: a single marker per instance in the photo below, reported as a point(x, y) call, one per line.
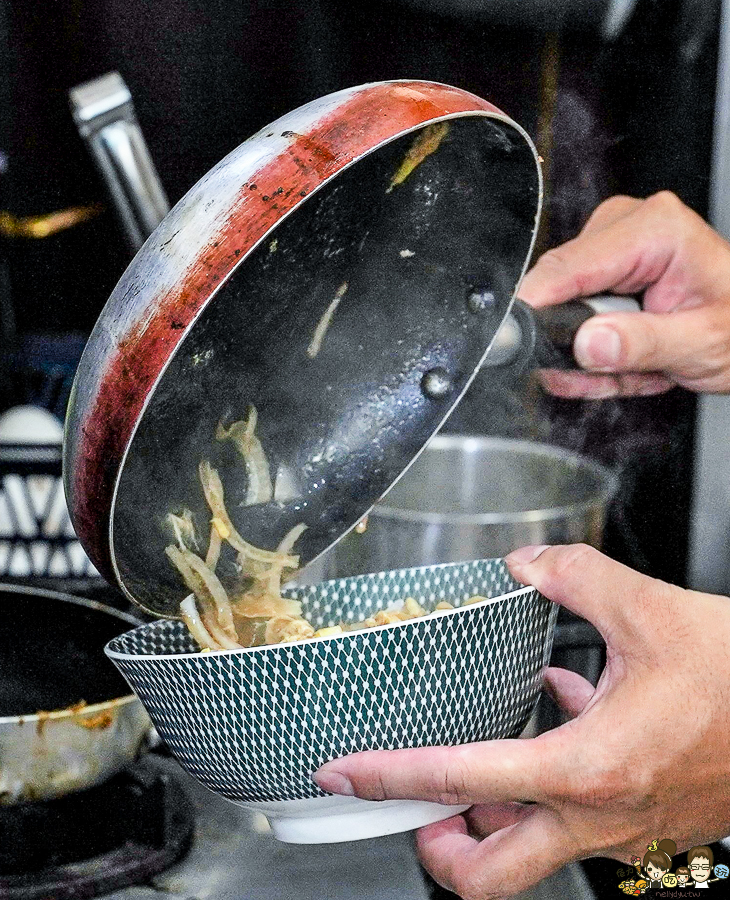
point(347, 635)
point(68, 712)
point(606, 476)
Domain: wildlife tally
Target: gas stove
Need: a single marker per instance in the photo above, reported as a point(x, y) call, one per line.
point(234, 856)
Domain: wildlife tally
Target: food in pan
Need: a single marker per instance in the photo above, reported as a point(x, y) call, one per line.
point(252, 612)
point(324, 323)
point(427, 141)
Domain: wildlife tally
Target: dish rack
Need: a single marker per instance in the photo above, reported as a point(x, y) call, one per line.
point(37, 540)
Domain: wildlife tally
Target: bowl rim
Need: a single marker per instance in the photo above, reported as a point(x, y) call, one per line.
point(204, 654)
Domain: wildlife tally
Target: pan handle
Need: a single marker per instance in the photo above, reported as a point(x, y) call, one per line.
point(543, 337)
point(558, 325)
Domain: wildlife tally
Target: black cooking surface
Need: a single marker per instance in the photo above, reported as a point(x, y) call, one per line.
point(51, 654)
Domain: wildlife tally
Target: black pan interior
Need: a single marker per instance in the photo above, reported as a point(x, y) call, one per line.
point(52, 654)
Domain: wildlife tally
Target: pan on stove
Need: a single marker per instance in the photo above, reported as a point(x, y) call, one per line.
point(67, 719)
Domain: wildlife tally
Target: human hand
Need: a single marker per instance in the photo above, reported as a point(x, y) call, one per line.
point(661, 247)
point(645, 754)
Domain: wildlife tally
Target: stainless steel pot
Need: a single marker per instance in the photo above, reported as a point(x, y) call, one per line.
point(51, 658)
point(476, 498)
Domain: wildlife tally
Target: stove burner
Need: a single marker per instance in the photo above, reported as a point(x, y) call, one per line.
point(95, 841)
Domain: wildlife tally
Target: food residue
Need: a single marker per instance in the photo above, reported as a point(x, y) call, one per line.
point(324, 323)
point(427, 141)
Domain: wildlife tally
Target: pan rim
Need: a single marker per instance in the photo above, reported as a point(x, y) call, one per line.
point(56, 715)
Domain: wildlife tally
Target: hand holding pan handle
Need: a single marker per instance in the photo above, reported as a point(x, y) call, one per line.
point(543, 337)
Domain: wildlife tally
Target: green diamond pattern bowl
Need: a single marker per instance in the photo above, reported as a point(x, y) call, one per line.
point(253, 725)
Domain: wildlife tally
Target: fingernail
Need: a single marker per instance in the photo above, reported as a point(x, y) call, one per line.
point(334, 782)
point(525, 555)
point(597, 347)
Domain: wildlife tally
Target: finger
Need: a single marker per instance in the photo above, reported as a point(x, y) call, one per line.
point(617, 600)
point(609, 212)
point(632, 253)
point(508, 862)
point(486, 818)
point(486, 772)
point(676, 342)
point(578, 385)
point(571, 691)
point(442, 841)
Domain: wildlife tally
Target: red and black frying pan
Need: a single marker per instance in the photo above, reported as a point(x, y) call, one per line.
point(345, 271)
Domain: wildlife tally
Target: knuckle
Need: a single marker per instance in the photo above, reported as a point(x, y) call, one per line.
point(717, 338)
point(643, 344)
point(380, 789)
point(613, 207)
point(621, 785)
point(457, 780)
point(554, 260)
point(665, 202)
point(474, 886)
point(571, 556)
point(563, 265)
point(618, 202)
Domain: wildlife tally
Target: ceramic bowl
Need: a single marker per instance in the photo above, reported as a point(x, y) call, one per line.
point(254, 724)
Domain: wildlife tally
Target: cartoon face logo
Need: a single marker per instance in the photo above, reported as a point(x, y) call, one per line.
point(721, 871)
point(654, 872)
point(669, 880)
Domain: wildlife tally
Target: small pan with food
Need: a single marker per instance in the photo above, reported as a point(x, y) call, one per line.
point(67, 718)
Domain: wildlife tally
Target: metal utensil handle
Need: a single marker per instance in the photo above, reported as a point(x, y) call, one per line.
point(104, 114)
point(122, 155)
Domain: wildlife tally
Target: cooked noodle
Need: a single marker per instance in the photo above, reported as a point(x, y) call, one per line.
point(243, 435)
point(325, 322)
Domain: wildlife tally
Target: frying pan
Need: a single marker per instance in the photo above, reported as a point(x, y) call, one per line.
point(51, 659)
point(344, 271)
point(401, 198)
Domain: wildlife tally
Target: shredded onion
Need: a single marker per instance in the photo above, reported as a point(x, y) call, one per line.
point(265, 606)
point(283, 629)
point(183, 529)
point(243, 434)
point(213, 490)
point(258, 614)
point(214, 548)
point(190, 616)
point(325, 322)
point(285, 547)
point(202, 580)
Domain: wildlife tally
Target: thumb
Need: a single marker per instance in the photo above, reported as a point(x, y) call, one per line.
point(621, 603)
point(673, 342)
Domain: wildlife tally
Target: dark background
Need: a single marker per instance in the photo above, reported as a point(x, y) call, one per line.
point(632, 114)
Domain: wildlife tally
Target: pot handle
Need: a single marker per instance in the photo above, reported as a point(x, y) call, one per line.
point(105, 117)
